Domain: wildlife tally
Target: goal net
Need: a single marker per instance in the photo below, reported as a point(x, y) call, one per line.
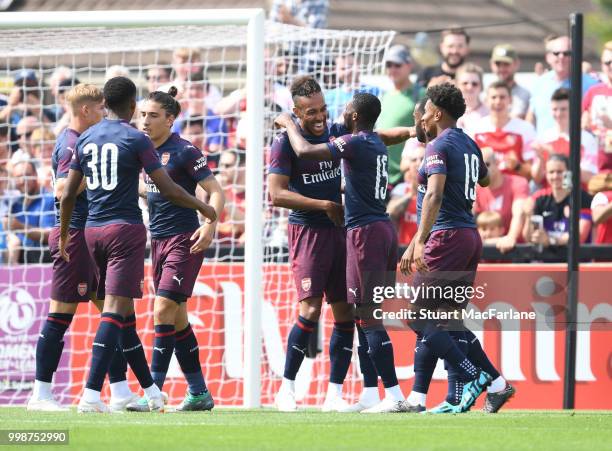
point(208, 64)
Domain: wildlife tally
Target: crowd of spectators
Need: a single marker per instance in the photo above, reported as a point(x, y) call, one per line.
point(523, 132)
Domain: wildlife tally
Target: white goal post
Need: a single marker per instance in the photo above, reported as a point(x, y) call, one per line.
point(253, 253)
point(233, 70)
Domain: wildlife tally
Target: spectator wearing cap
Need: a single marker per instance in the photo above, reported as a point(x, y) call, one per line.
point(597, 111)
point(23, 98)
point(558, 55)
point(454, 48)
point(398, 103)
point(63, 87)
point(504, 64)
point(303, 13)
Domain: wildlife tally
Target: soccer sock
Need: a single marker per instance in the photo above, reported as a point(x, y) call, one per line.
point(118, 367)
point(497, 385)
point(416, 398)
point(49, 349)
point(441, 344)
point(104, 345)
point(134, 352)
point(163, 347)
point(424, 365)
point(296, 346)
point(188, 356)
point(370, 376)
point(380, 350)
point(340, 351)
point(117, 376)
point(477, 355)
point(455, 384)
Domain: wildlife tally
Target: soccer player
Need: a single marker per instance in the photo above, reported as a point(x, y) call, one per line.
point(111, 155)
point(177, 245)
point(311, 189)
point(74, 281)
point(447, 240)
point(371, 238)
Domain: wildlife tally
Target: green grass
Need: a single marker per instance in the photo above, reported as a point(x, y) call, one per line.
point(311, 430)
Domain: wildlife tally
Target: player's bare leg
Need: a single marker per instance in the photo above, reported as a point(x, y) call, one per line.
point(340, 353)
point(310, 311)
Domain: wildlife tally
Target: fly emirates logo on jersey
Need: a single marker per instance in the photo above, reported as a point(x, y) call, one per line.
point(327, 171)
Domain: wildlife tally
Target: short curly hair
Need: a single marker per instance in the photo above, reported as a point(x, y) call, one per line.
point(304, 86)
point(119, 92)
point(447, 97)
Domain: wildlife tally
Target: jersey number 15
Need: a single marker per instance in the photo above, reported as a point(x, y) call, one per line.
point(471, 175)
point(107, 161)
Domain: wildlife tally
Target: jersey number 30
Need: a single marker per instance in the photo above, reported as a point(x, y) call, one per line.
point(107, 161)
point(471, 175)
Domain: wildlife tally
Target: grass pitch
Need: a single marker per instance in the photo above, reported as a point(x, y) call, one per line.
point(311, 430)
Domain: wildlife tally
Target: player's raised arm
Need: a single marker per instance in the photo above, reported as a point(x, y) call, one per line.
point(396, 135)
point(68, 199)
point(301, 147)
point(178, 196)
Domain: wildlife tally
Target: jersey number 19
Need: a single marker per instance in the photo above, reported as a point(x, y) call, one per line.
point(471, 175)
point(107, 158)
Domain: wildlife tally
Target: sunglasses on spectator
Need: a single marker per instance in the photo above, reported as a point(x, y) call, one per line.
point(389, 65)
point(607, 63)
point(27, 135)
point(564, 53)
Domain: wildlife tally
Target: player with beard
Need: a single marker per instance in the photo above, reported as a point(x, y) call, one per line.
point(454, 48)
point(446, 250)
point(371, 238)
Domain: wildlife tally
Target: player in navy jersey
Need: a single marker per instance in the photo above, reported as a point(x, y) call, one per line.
point(371, 238)
point(311, 189)
point(177, 245)
point(111, 155)
point(74, 281)
point(447, 247)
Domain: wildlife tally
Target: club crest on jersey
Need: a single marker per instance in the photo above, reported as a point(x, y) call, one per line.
point(82, 288)
point(306, 283)
point(165, 157)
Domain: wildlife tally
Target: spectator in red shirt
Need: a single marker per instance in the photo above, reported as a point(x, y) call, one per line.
point(597, 111)
point(509, 137)
point(402, 205)
point(506, 195)
point(601, 209)
point(556, 140)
